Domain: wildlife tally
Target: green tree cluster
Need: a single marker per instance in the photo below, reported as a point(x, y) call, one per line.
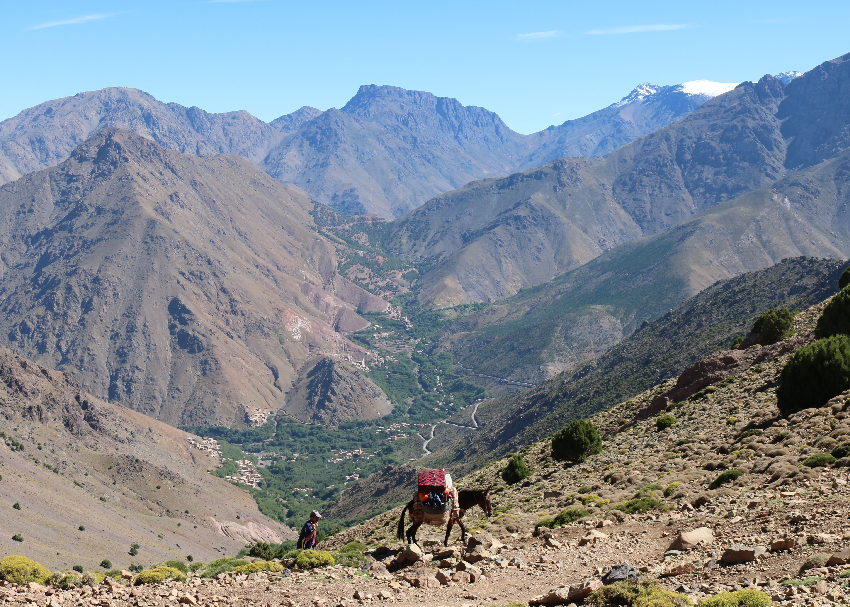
point(814, 374)
point(576, 441)
point(774, 325)
point(515, 470)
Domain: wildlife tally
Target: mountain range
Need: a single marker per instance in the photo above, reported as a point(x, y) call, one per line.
point(386, 151)
point(578, 253)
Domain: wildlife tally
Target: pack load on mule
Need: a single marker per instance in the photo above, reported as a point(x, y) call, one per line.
point(435, 498)
point(437, 502)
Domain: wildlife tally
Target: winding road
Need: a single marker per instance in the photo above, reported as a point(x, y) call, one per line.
point(425, 441)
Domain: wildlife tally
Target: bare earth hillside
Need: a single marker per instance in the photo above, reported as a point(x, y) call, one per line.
point(93, 478)
point(189, 289)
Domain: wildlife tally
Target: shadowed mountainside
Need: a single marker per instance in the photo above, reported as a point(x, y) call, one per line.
point(656, 352)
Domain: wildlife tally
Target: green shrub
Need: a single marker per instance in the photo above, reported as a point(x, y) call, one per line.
point(774, 325)
point(16, 506)
point(576, 441)
point(515, 470)
point(178, 565)
point(748, 597)
point(196, 566)
point(841, 450)
point(814, 374)
point(844, 280)
point(222, 565)
point(354, 546)
point(637, 594)
point(64, 581)
point(310, 559)
point(570, 515)
point(671, 488)
point(158, 575)
point(547, 522)
point(261, 550)
point(78, 568)
point(835, 319)
point(106, 564)
point(662, 422)
point(728, 476)
point(259, 566)
point(639, 504)
point(18, 537)
point(92, 578)
point(351, 555)
point(113, 573)
point(819, 460)
point(21, 570)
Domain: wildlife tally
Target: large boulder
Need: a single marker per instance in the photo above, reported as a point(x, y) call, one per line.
point(738, 553)
point(568, 594)
point(485, 540)
point(688, 540)
point(412, 553)
point(621, 573)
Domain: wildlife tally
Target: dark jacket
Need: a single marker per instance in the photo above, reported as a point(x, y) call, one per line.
point(307, 537)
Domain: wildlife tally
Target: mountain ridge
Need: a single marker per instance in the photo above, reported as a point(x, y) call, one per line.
point(357, 159)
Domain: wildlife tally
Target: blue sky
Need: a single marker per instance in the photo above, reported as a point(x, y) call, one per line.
point(534, 63)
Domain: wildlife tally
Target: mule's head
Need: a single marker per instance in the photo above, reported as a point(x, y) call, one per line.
point(485, 503)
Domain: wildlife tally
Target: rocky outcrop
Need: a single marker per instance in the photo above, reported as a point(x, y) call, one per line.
point(330, 392)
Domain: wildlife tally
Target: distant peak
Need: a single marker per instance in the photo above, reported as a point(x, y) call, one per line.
point(372, 95)
point(787, 77)
point(641, 91)
point(706, 88)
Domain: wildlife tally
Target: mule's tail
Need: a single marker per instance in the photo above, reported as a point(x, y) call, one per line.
point(400, 533)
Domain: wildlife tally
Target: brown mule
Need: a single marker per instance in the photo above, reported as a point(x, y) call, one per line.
point(466, 498)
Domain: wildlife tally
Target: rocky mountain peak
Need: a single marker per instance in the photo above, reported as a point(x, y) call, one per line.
point(294, 121)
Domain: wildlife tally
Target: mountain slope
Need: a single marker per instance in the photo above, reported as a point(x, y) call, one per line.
point(93, 478)
point(388, 150)
point(494, 237)
point(577, 316)
point(185, 288)
point(660, 349)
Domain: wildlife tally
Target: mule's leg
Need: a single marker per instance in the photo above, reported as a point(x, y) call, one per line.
point(411, 533)
point(462, 532)
point(448, 531)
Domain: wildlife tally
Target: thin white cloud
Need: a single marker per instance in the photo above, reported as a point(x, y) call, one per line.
point(556, 114)
point(638, 29)
point(232, 1)
point(74, 21)
point(538, 35)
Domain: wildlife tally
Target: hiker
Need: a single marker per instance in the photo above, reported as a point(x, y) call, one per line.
point(308, 538)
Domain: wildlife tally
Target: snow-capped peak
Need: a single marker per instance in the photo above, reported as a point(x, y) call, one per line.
point(641, 91)
point(707, 88)
point(787, 77)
